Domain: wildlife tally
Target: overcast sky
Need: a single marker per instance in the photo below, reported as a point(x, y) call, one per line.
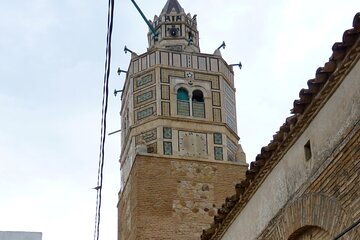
point(51, 72)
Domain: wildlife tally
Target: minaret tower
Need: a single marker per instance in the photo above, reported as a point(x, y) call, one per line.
point(180, 155)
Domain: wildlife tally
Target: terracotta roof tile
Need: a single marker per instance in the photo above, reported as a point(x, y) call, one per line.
point(240, 187)
point(349, 37)
point(279, 136)
point(260, 162)
point(321, 75)
point(314, 86)
point(309, 102)
point(250, 174)
point(339, 51)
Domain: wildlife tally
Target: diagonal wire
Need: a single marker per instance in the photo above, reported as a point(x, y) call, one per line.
point(103, 118)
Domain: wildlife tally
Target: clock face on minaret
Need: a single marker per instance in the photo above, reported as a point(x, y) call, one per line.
point(192, 144)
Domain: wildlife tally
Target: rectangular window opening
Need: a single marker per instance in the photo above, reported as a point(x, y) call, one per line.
point(307, 150)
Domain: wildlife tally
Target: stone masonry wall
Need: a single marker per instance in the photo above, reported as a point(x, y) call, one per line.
point(174, 198)
point(127, 206)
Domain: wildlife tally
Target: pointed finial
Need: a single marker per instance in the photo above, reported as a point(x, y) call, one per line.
point(172, 5)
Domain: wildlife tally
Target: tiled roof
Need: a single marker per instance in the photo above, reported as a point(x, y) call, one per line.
point(344, 56)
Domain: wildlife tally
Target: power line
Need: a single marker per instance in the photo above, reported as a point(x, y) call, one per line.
point(355, 224)
point(103, 118)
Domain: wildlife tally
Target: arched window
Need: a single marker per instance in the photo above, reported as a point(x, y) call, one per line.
point(183, 106)
point(310, 232)
point(198, 105)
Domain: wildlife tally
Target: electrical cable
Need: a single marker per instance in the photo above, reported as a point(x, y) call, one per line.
point(103, 118)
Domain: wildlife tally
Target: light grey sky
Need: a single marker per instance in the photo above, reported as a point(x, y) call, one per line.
point(51, 72)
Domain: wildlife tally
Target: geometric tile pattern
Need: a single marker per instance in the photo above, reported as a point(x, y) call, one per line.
point(167, 133)
point(229, 106)
point(218, 138)
point(148, 136)
point(232, 149)
point(217, 114)
point(216, 99)
point(168, 148)
point(218, 152)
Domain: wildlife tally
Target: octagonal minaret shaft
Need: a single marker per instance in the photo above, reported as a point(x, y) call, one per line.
point(179, 140)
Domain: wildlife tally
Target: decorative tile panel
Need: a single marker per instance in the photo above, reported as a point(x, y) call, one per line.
point(144, 97)
point(164, 58)
point(167, 133)
point(218, 138)
point(144, 81)
point(229, 107)
point(165, 108)
point(214, 79)
point(231, 122)
point(215, 84)
point(218, 153)
point(189, 75)
point(168, 148)
point(166, 74)
point(229, 91)
point(232, 149)
point(165, 92)
point(195, 62)
point(136, 66)
point(176, 60)
point(174, 48)
point(152, 59)
point(214, 66)
point(148, 136)
point(217, 114)
point(186, 61)
point(152, 148)
point(143, 63)
point(202, 63)
point(145, 113)
point(229, 76)
point(157, 57)
point(216, 100)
